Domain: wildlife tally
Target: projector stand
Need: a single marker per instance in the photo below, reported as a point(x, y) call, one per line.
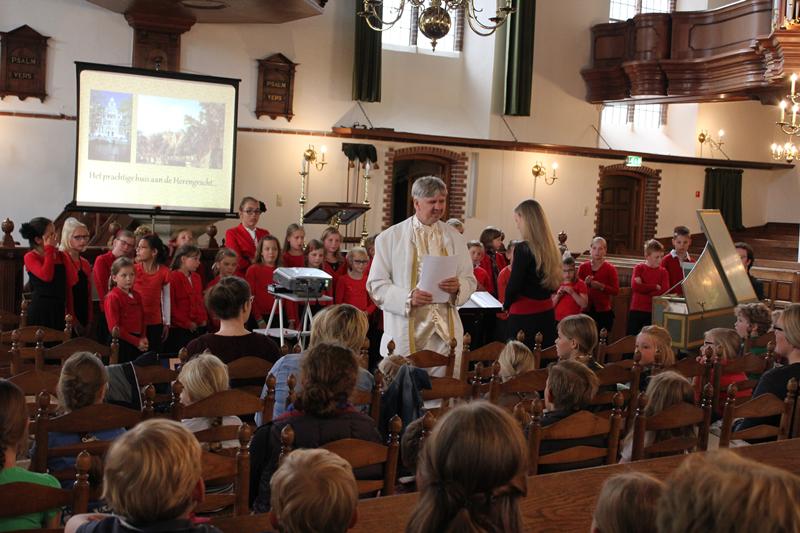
point(305, 328)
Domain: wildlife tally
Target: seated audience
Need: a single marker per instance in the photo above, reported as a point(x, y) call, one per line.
point(13, 442)
point(572, 297)
point(665, 389)
point(725, 342)
point(570, 387)
point(747, 256)
point(83, 382)
point(337, 324)
point(577, 339)
point(627, 504)
point(471, 473)
point(201, 377)
point(725, 492)
point(654, 345)
point(515, 359)
point(313, 490)
point(787, 346)
point(153, 481)
point(320, 415)
point(752, 321)
point(231, 302)
point(648, 279)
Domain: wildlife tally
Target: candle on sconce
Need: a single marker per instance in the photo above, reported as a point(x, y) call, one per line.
point(555, 167)
point(794, 81)
point(367, 166)
point(721, 134)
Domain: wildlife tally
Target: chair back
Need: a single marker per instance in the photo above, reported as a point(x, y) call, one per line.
point(155, 375)
point(581, 425)
point(27, 498)
point(530, 384)
point(431, 359)
point(616, 374)
point(87, 420)
point(250, 368)
point(609, 353)
point(450, 390)
point(749, 364)
point(370, 397)
point(763, 405)
point(218, 467)
point(543, 356)
point(486, 354)
point(668, 426)
point(63, 351)
point(28, 334)
point(762, 341)
point(32, 382)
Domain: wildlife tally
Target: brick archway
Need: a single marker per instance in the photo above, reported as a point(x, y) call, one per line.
point(456, 181)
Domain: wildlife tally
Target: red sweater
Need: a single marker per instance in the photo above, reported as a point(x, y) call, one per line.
point(567, 306)
point(259, 276)
point(149, 286)
point(240, 241)
point(102, 273)
point(354, 292)
point(642, 293)
point(484, 279)
point(186, 300)
point(486, 264)
point(340, 271)
point(600, 301)
point(672, 264)
point(43, 267)
point(290, 260)
point(125, 309)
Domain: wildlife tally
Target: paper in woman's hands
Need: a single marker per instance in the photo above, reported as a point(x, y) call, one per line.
point(435, 269)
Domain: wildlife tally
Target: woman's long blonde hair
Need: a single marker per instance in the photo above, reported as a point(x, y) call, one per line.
point(536, 231)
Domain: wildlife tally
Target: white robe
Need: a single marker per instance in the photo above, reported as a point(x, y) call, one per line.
point(389, 286)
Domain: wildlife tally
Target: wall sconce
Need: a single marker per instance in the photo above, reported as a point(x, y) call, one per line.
point(540, 171)
point(787, 151)
point(310, 157)
point(704, 137)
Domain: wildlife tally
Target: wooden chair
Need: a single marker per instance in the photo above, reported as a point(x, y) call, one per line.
point(249, 368)
point(363, 355)
point(543, 356)
point(360, 453)
point(27, 334)
point(62, 352)
point(222, 468)
point(155, 375)
point(675, 417)
point(431, 359)
point(220, 404)
point(10, 321)
point(90, 419)
point(371, 398)
point(27, 498)
point(614, 351)
point(761, 341)
point(760, 406)
point(581, 425)
point(528, 385)
point(618, 374)
point(487, 354)
point(451, 390)
point(32, 382)
point(748, 364)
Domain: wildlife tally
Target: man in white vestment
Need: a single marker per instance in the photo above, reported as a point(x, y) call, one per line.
point(410, 318)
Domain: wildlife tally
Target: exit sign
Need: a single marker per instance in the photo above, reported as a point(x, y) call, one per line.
point(633, 161)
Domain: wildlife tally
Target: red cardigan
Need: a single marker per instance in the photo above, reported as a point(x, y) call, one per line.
point(354, 292)
point(600, 301)
point(642, 293)
point(259, 276)
point(484, 279)
point(186, 300)
point(102, 273)
point(289, 260)
point(240, 241)
point(126, 311)
point(43, 267)
point(149, 286)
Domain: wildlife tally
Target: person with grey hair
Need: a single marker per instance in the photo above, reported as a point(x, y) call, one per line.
point(456, 224)
point(411, 319)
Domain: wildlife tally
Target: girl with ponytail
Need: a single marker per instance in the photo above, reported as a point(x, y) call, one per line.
point(472, 473)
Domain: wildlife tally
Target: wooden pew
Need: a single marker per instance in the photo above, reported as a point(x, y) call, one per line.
point(555, 502)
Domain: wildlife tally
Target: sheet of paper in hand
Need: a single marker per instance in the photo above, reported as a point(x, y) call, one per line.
point(436, 269)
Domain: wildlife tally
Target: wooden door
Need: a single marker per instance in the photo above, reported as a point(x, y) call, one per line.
point(620, 214)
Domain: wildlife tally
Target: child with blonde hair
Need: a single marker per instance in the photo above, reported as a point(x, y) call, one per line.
point(124, 310)
point(201, 377)
point(725, 342)
point(627, 504)
point(293, 253)
point(648, 279)
point(153, 481)
point(572, 297)
point(654, 345)
point(602, 280)
point(665, 389)
point(577, 340)
point(313, 490)
point(515, 359)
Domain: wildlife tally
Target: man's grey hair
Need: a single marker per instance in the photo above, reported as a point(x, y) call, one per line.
point(428, 187)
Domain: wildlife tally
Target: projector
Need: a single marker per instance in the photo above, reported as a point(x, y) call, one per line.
point(301, 282)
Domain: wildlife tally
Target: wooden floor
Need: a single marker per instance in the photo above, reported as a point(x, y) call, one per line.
point(558, 503)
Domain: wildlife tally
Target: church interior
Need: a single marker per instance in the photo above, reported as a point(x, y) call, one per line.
point(647, 128)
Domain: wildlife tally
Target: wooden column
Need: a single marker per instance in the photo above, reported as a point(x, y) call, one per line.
point(157, 28)
point(10, 270)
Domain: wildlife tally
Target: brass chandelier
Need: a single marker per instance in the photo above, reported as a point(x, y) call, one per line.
point(434, 20)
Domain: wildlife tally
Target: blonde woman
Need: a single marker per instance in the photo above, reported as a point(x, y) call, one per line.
point(577, 339)
point(535, 276)
point(74, 241)
point(664, 390)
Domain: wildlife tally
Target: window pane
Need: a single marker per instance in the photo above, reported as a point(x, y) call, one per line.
point(622, 10)
point(400, 33)
point(655, 6)
point(615, 115)
point(647, 116)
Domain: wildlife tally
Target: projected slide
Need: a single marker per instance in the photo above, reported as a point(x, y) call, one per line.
point(154, 140)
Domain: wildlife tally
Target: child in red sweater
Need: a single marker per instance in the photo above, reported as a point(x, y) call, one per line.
point(187, 310)
point(601, 279)
point(477, 254)
point(259, 276)
point(725, 342)
point(124, 309)
point(681, 241)
point(152, 283)
point(572, 296)
point(493, 260)
point(226, 262)
point(315, 258)
point(647, 280)
point(352, 289)
point(334, 263)
point(293, 255)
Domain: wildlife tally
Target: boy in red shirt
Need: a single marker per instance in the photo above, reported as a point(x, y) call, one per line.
point(681, 241)
point(602, 281)
point(476, 252)
point(572, 296)
point(647, 280)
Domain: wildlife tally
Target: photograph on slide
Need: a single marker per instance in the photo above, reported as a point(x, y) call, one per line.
point(179, 132)
point(110, 128)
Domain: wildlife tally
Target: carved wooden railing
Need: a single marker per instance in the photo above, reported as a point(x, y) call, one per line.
point(740, 51)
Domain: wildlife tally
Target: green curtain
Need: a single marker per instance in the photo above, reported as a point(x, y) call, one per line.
point(723, 191)
point(519, 58)
point(367, 60)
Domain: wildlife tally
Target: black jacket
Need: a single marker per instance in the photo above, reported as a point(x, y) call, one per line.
point(524, 280)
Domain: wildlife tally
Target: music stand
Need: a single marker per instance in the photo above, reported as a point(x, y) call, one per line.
point(335, 213)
